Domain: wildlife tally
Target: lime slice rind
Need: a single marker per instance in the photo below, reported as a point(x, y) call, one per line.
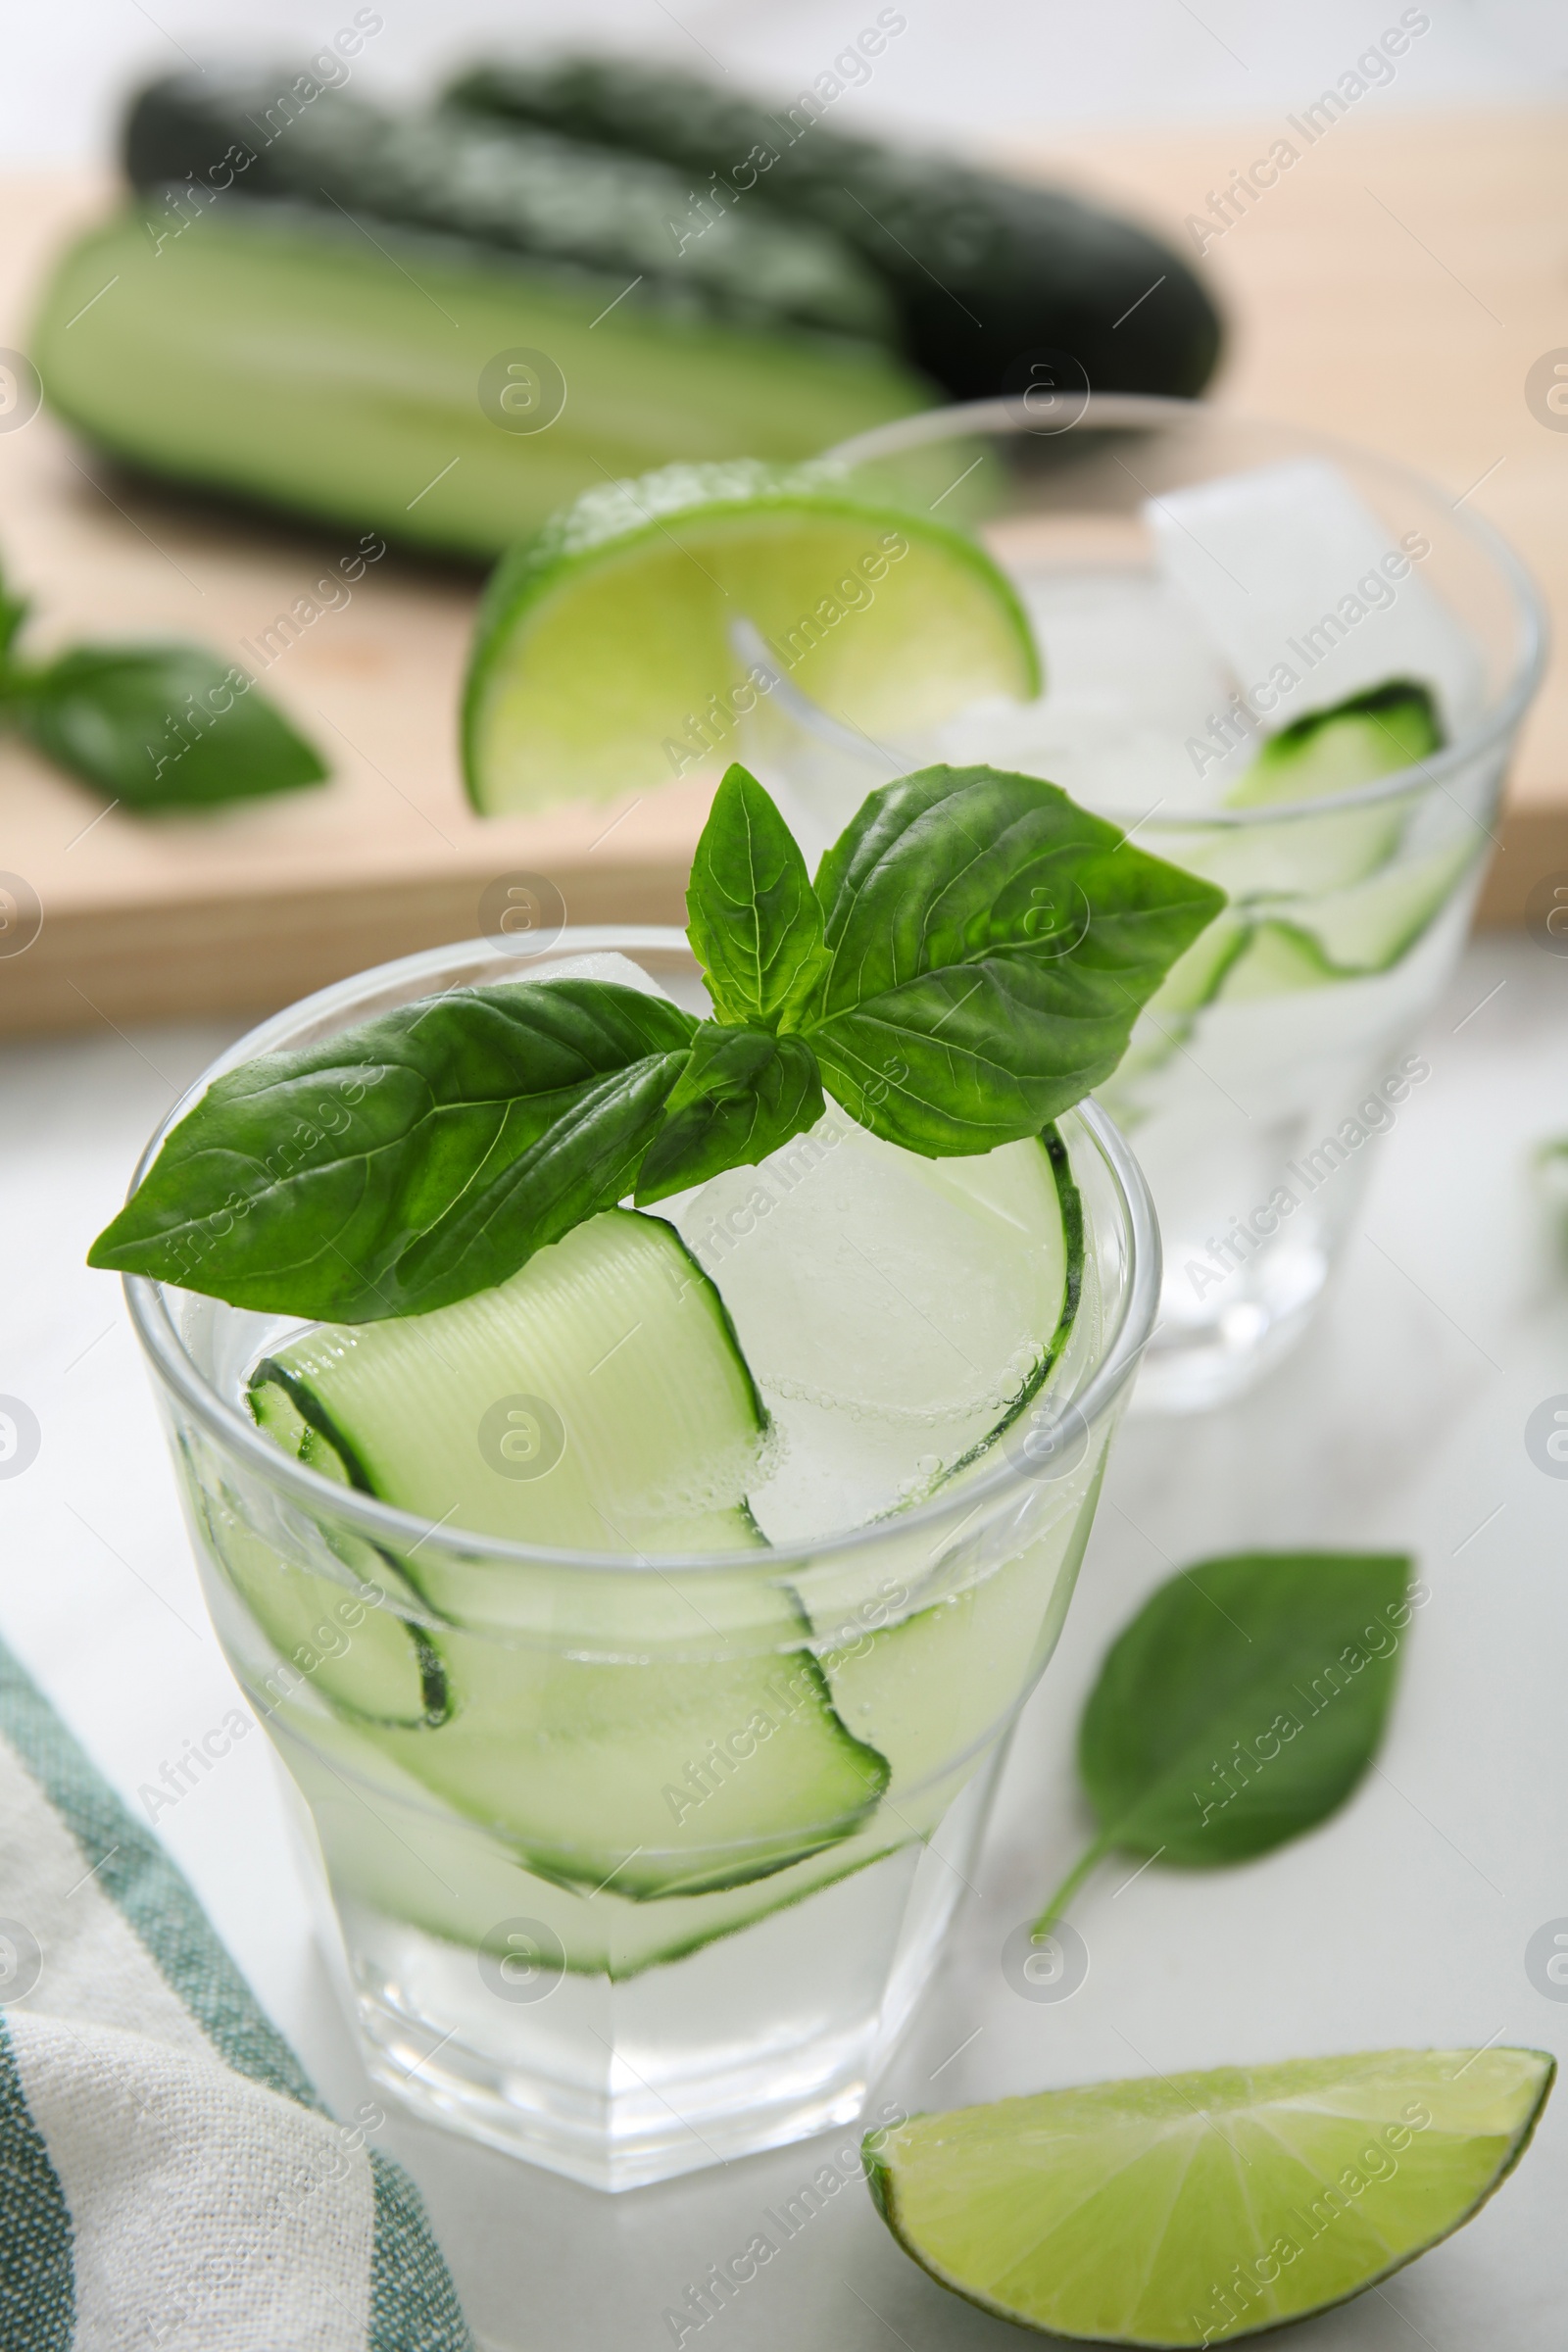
point(1199, 2209)
point(604, 660)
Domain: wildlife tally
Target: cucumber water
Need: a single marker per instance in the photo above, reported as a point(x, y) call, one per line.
point(640, 1388)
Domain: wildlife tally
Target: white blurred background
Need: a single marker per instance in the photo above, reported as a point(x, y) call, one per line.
point(963, 67)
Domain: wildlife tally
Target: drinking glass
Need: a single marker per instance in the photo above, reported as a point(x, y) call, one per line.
point(623, 2031)
point(1277, 1051)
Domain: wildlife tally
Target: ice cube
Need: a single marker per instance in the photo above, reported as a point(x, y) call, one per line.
point(1130, 675)
point(890, 1308)
point(1288, 568)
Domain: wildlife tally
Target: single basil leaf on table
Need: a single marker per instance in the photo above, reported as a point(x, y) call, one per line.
point(990, 946)
point(755, 923)
point(164, 726)
point(410, 1161)
point(742, 1094)
point(1240, 1706)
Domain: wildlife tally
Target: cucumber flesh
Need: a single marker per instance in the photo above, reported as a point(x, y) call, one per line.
point(1280, 959)
point(1366, 736)
point(1315, 900)
point(591, 1741)
point(344, 1640)
point(1356, 934)
point(271, 351)
point(640, 1757)
point(1371, 928)
point(670, 1776)
point(388, 1848)
point(596, 1402)
point(932, 1692)
point(1369, 735)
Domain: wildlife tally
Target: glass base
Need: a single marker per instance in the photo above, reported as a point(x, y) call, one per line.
point(764, 2037)
point(628, 2133)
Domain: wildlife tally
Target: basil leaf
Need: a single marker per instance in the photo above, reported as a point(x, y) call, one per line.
point(1242, 1705)
point(755, 923)
point(14, 610)
point(161, 726)
point(410, 1161)
point(742, 1094)
point(989, 947)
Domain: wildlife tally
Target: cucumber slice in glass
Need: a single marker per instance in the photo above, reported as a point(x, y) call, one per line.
point(338, 1638)
point(1280, 959)
point(389, 1849)
point(1392, 727)
point(664, 1775)
point(1371, 928)
point(1197, 978)
point(1366, 736)
point(596, 1402)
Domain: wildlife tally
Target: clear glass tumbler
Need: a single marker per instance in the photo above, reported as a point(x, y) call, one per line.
point(577, 2006)
point(1279, 1047)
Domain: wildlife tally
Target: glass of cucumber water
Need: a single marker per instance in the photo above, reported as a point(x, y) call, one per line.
point(641, 1635)
point(1282, 663)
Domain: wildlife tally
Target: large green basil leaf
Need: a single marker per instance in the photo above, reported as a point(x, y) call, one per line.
point(755, 923)
point(742, 1096)
point(410, 1161)
point(990, 946)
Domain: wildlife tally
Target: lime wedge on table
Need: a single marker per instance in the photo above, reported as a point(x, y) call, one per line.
point(604, 660)
point(1196, 2208)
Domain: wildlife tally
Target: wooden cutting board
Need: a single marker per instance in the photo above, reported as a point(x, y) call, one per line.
point(1396, 286)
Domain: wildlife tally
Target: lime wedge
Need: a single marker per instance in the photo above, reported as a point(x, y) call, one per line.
point(1195, 2208)
point(605, 658)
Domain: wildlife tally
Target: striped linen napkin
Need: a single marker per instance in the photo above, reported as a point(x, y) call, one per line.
point(169, 2181)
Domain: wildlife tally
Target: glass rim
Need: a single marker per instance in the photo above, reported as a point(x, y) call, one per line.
point(171, 1362)
point(1495, 726)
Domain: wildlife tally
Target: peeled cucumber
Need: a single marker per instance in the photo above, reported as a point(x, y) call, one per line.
point(284, 354)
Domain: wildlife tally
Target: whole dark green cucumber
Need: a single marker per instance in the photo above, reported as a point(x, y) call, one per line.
point(984, 272)
point(508, 185)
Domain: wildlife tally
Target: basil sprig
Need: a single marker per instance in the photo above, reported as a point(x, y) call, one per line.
point(154, 727)
point(968, 963)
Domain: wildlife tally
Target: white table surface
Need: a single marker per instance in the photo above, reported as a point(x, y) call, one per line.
point(1400, 1422)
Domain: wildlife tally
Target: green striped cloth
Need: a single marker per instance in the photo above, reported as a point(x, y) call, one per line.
point(168, 2179)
